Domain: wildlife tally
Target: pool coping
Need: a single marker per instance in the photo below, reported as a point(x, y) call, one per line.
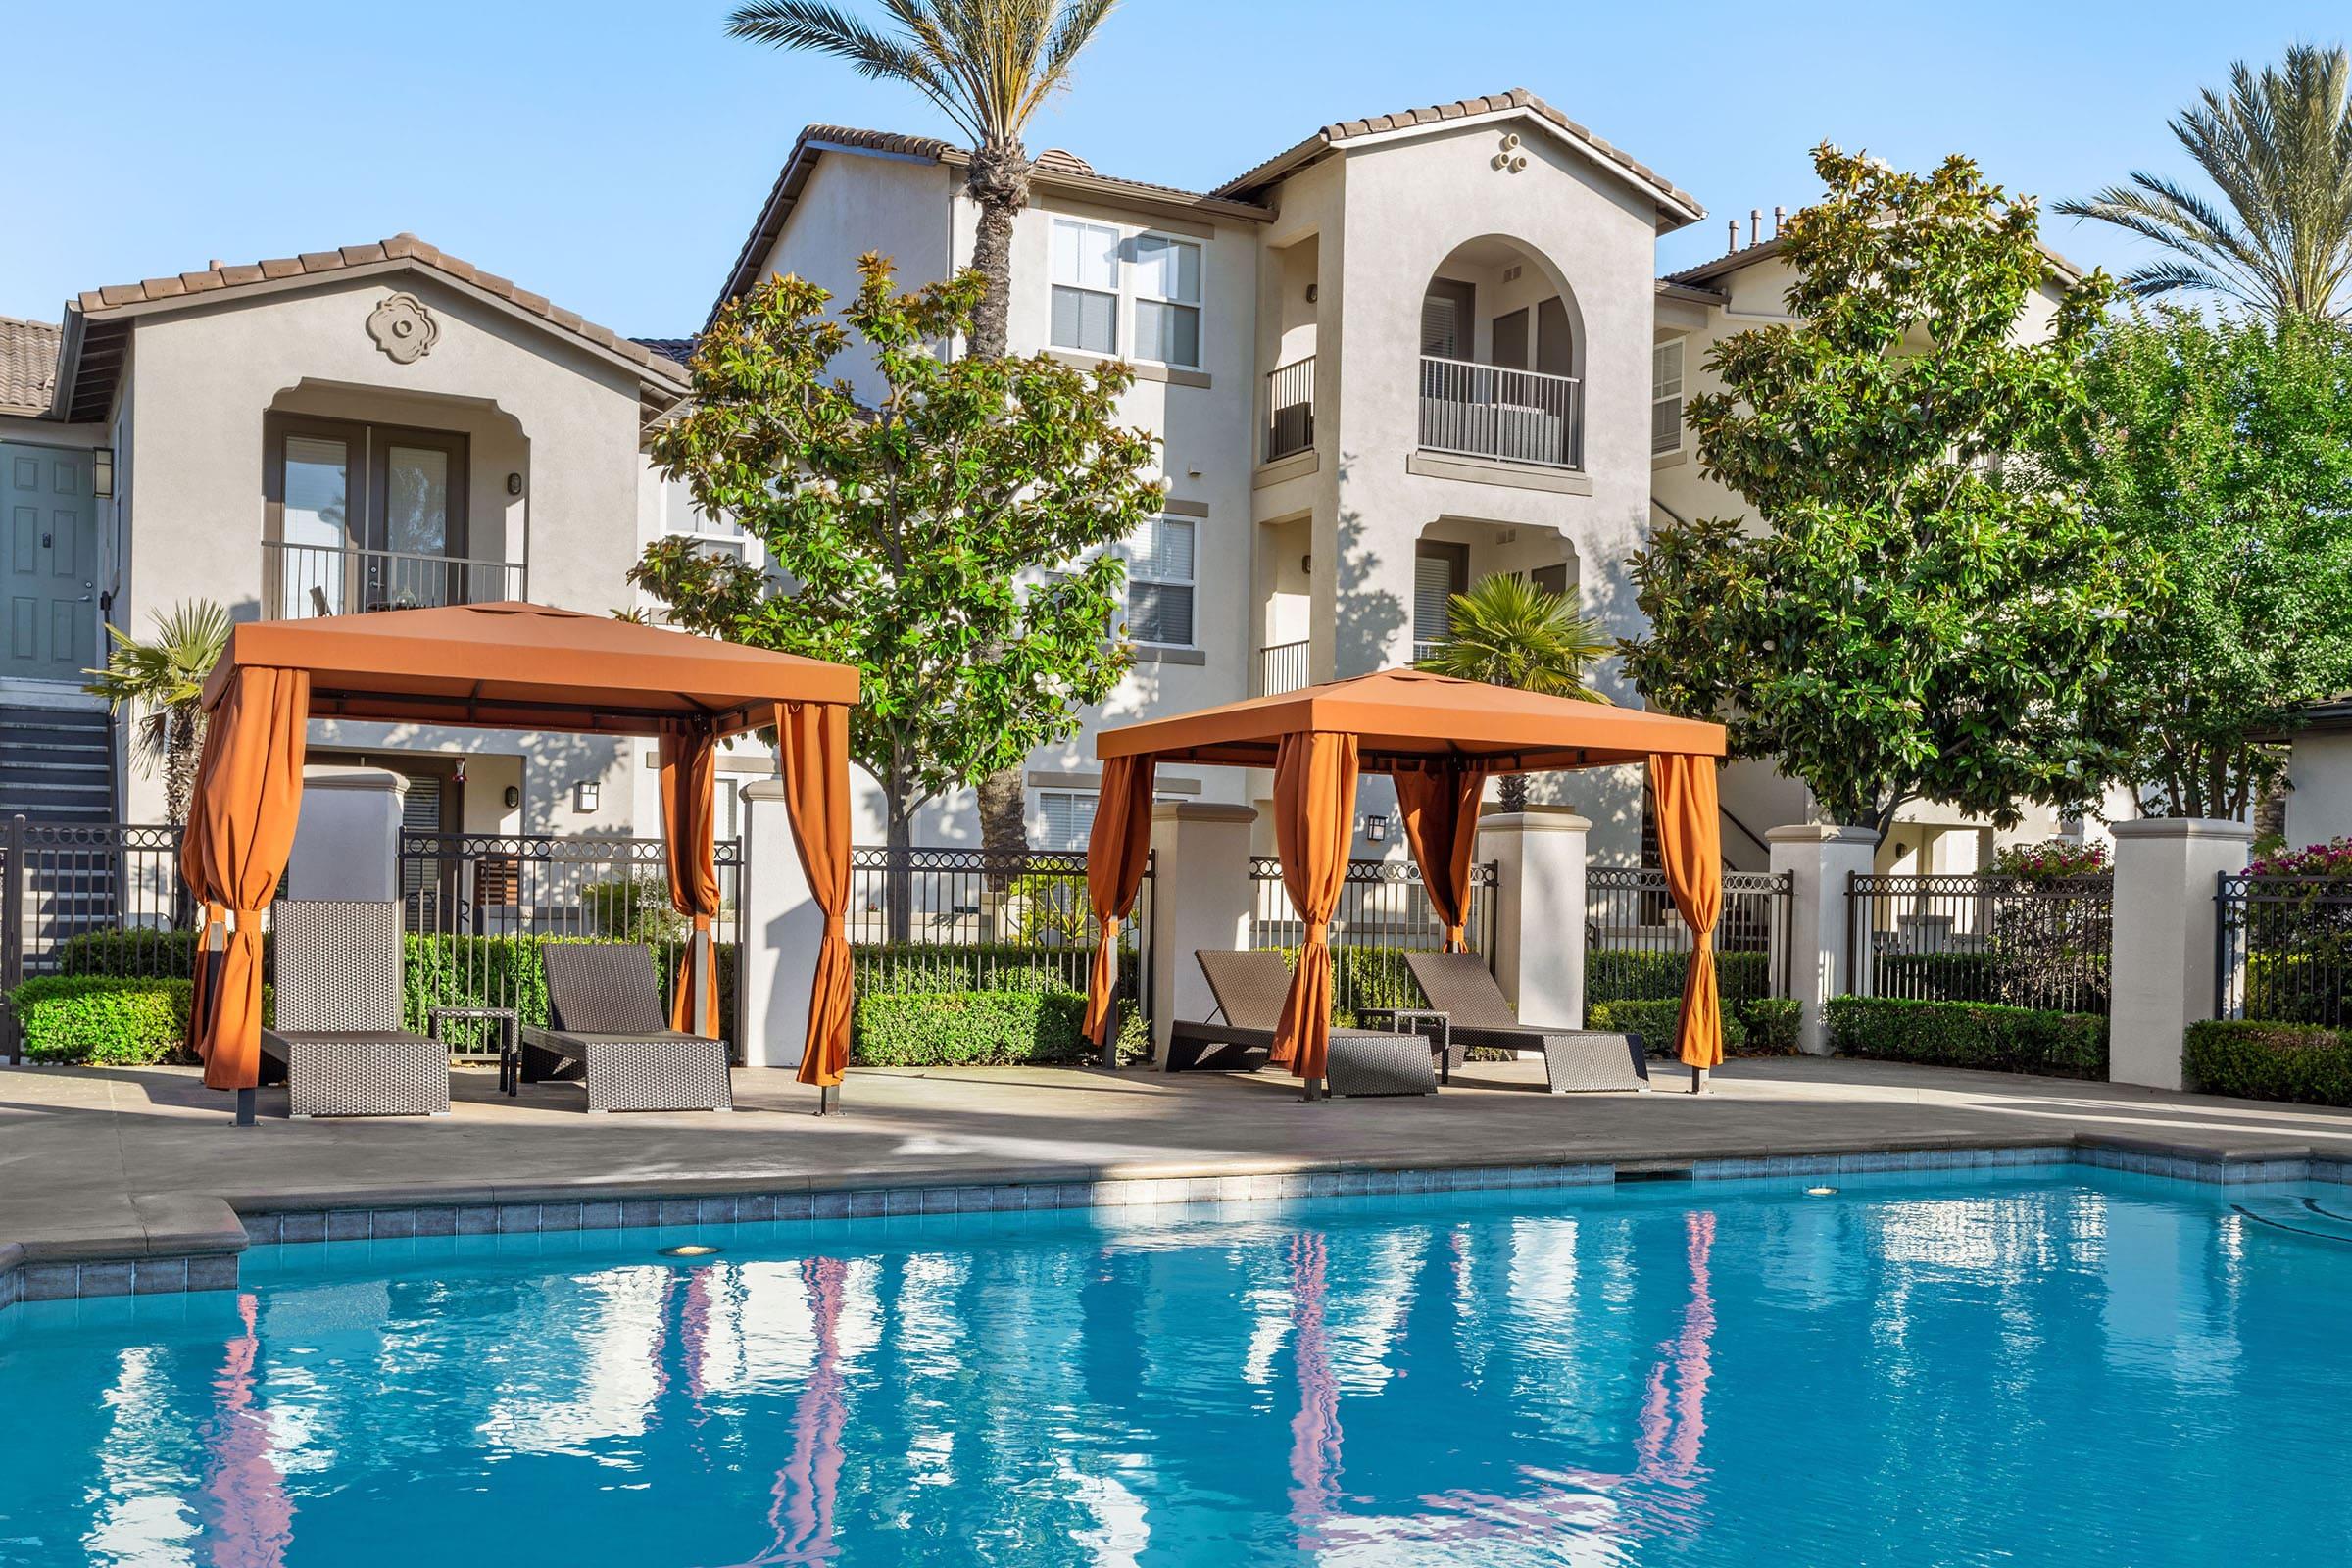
point(194, 1242)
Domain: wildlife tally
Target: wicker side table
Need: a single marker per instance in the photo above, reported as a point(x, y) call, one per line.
point(510, 1040)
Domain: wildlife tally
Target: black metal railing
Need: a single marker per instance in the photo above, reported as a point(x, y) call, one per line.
point(299, 582)
point(2028, 942)
point(2283, 949)
point(1635, 940)
point(1384, 913)
point(1290, 408)
point(101, 898)
point(1487, 410)
point(966, 919)
point(1281, 668)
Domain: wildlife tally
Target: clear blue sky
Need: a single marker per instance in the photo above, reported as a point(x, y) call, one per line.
point(612, 156)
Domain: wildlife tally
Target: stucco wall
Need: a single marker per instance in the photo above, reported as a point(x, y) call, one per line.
point(2319, 806)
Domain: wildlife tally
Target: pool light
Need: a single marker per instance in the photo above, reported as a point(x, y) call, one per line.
point(1820, 1192)
point(690, 1250)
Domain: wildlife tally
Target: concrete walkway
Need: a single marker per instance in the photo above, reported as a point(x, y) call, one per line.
point(120, 1163)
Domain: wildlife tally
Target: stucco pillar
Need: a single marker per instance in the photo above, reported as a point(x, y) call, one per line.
point(2161, 969)
point(1819, 859)
point(347, 841)
point(781, 929)
point(1538, 857)
point(1202, 897)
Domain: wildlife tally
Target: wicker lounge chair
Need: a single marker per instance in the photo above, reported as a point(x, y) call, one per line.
point(338, 1042)
point(1249, 987)
point(608, 1028)
point(1459, 985)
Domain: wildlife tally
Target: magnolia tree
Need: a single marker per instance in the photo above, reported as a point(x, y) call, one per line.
point(948, 542)
point(1905, 612)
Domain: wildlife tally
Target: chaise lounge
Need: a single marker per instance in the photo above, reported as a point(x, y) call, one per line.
point(609, 1030)
point(1249, 987)
point(338, 1041)
point(1574, 1060)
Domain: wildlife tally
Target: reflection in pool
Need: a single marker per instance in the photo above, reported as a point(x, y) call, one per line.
point(2039, 1368)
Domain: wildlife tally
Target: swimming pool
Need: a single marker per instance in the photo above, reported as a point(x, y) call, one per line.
point(2032, 1366)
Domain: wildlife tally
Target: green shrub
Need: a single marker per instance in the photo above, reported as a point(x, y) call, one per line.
point(107, 1020)
point(1655, 1022)
point(967, 1028)
point(1938, 976)
point(1641, 974)
point(1968, 1034)
point(1771, 1025)
point(2269, 1062)
point(634, 909)
point(902, 968)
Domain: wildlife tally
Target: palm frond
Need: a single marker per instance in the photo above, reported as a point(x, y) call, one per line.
point(1505, 631)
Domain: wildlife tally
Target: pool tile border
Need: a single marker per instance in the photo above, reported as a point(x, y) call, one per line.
point(100, 1278)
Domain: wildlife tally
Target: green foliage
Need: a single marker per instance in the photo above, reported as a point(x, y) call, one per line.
point(1050, 910)
point(2269, 1062)
point(2224, 449)
point(1911, 616)
point(901, 968)
point(141, 954)
point(953, 543)
point(1656, 1021)
point(1638, 974)
point(2051, 860)
point(1506, 631)
point(1938, 976)
point(162, 679)
point(635, 909)
point(2278, 148)
point(1771, 1023)
point(999, 1028)
point(1968, 1034)
point(106, 1021)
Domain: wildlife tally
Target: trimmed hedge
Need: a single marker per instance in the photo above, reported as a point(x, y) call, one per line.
point(1939, 976)
point(2269, 1062)
point(106, 1021)
point(1655, 1023)
point(900, 968)
point(1640, 974)
point(1008, 1028)
point(1968, 1034)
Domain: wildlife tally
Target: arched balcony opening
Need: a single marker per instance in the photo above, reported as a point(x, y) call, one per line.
point(1501, 364)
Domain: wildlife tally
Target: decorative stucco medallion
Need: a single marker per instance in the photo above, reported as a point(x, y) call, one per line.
point(404, 328)
point(1508, 159)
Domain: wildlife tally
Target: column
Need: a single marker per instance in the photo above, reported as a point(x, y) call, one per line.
point(347, 841)
point(1539, 856)
point(781, 927)
point(2161, 971)
point(1202, 897)
point(1820, 858)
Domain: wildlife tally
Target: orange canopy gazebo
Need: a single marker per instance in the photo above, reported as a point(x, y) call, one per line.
point(1439, 739)
point(508, 667)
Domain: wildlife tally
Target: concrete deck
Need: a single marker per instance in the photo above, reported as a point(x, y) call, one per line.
point(126, 1164)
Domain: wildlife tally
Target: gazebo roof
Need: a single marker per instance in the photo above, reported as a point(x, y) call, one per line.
point(516, 665)
point(1406, 718)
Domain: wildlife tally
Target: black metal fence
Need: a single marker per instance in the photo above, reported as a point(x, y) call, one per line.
point(2027, 941)
point(2283, 949)
point(966, 919)
point(1635, 940)
point(110, 884)
point(1383, 914)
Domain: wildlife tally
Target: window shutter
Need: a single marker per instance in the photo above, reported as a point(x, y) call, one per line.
point(1440, 326)
point(1433, 586)
point(1666, 397)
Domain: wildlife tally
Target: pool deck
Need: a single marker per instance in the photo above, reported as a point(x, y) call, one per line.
point(103, 1165)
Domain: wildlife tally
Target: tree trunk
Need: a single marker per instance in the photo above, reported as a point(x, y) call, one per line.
point(998, 181)
point(1004, 836)
point(179, 764)
point(1513, 788)
point(898, 842)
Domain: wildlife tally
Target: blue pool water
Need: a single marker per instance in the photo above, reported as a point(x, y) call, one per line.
point(2038, 1367)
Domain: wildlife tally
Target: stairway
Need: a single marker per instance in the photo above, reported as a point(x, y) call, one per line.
point(56, 764)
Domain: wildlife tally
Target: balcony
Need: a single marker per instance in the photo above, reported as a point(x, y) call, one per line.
point(300, 582)
point(1290, 408)
point(1488, 410)
point(1281, 668)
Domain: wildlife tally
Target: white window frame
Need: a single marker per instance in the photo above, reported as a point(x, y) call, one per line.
point(1132, 289)
point(1072, 795)
point(1120, 330)
point(1679, 397)
point(1127, 552)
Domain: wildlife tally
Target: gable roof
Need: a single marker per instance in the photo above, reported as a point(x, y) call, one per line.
point(28, 365)
point(99, 321)
point(1676, 206)
point(1052, 170)
point(1763, 250)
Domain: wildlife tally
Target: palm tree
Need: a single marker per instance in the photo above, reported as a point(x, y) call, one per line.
point(988, 65)
point(2278, 148)
point(1506, 631)
point(162, 679)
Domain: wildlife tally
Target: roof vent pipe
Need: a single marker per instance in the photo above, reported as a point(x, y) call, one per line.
point(1730, 235)
point(1780, 216)
point(1755, 225)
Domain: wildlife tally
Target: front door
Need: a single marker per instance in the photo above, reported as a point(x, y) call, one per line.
point(363, 516)
point(49, 593)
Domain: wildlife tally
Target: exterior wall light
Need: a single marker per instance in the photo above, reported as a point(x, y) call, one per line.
point(102, 473)
point(586, 794)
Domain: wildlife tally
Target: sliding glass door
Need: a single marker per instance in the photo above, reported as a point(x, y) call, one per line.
point(361, 516)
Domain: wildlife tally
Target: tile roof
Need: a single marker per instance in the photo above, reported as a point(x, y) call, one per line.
point(1672, 199)
point(98, 304)
point(677, 350)
point(1765, 249)
point(28, 365)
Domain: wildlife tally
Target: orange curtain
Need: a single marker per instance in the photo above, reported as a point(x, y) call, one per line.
point(1116, 852)
point(1690, 844)
point(240, 830)
point(200, 970)
point(813, 740)
point(689, 787)
point(1314, 825)
point(1440, 823)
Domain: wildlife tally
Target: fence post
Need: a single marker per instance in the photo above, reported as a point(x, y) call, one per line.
point(1202, 897)
point(1539, 951)
point(2166, 939)
point(12, 931)
point(1824, 947)
point(775, 968)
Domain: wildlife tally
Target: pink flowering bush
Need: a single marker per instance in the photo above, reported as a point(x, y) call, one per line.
point(2052, 858)
point(2332, 859)
point(2297, 921)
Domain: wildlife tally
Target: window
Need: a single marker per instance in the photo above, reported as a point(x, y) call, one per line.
point(1666, 397)
point(1440, 572)
point(1069, 817)
point(1086, 287)
point(1159, 583)
point(1167, 300)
